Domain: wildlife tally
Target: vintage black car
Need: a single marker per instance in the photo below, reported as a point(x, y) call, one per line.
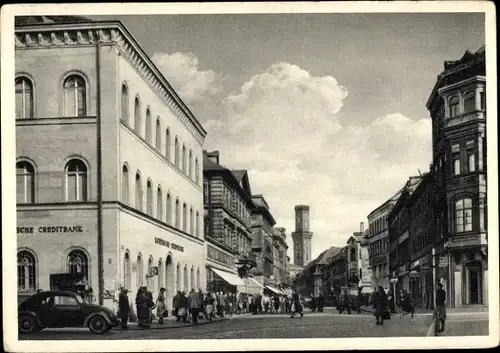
point(57, 309)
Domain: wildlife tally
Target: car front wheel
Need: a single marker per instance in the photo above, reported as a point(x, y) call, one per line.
point(28, 324)
point(98, 324)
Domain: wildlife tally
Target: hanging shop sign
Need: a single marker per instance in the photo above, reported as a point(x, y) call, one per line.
point(50, 229)
point(168, 244)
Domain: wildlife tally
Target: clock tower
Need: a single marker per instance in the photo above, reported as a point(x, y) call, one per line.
point(302, 236)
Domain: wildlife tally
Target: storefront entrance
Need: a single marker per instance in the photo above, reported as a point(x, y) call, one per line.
point(474, 282)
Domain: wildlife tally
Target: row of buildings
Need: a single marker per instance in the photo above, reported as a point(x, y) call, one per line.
point(113, 183)
point(434, 229)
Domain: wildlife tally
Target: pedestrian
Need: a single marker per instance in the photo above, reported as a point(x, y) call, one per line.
point(184, 306)
point(441, 305)
point(194, 305)
point(176, 305)
point(123, 308)
point(209, 306)
point(296, 305)
point(143, 304)
point(380, 305)
point(202, 301)
point(161, 307)
point(220, 304)
point(150, 303)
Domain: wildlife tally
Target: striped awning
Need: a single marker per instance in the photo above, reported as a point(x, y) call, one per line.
point(274, 289)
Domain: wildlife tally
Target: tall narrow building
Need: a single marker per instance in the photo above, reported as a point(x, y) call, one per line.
point(302, 237)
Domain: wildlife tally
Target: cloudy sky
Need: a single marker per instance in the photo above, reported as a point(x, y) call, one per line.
point(322, 109)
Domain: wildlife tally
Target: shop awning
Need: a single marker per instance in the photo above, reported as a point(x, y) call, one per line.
point(254, 282)
point(274, 289)
point(250, 286)
point(229, 277)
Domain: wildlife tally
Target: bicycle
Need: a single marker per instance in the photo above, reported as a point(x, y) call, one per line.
point(439, 319)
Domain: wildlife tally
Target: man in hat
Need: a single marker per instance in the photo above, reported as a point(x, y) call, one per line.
point(123, 307)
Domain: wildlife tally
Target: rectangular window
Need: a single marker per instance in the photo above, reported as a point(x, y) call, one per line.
point(456, 163)
point(482, 95)
point(471, 160)
point(205, 192)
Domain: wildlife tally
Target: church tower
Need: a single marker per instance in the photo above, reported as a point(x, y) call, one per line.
point(302, 236)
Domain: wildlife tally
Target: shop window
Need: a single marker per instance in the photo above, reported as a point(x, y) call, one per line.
point(78, 262)
point(463, 215)
point(26, 272)
point(75, 96)
point(137, 115)
point(158, 134)
point(124, 104)
point(126, 271)
point(125, 183)
point(167, 143)
point(149, 127)
point(469, 101)
point(454, 106)
point(25, 182)
point(76, 180)
point(24, 98)
point(149, 197)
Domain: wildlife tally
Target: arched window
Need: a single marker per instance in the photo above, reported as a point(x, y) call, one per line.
point(138, 192)
point(191, 221)
point(169, 209)
point(469, 101)
point(149, 279)
point(75, 96)
point(184, 158)
point(140, 273)
point(198, 284)
point(76, 180)
point(176, 152)
point(26, 272)
point(125, 181)
point(184, 217)
point(137, 115)
point(197, 234)
point(161, 276)
point(186, 283)
point(196, 170)
point(159, 204)
point(24, 98)
point(193, 285)
point(125, 104)
point(454, 111)
point(78, 262)
point(149, 127)
point(158, 134)
point(167, 143)
point(126, 271)
point(149, 198)
point(463, 215)
point(25, 182)
point(177, 214)
point(190, 165)
point(178, 277)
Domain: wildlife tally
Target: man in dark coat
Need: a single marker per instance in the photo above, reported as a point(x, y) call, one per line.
point(176, 304)
point(151, 301)
point(123, 307)
point(202, 301)
point(380, 305)
point(297, 305)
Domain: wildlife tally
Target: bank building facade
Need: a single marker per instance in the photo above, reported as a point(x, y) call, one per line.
point(109, 165)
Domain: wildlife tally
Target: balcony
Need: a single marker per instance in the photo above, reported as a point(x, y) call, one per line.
point(464, 118)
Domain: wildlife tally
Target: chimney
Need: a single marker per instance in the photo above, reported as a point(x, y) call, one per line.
point(362, 227)
point(213, 156)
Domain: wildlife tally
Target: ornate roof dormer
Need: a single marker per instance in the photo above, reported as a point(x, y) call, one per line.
point(56, 35)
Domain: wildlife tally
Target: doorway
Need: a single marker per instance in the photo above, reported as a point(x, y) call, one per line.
point(474, 285)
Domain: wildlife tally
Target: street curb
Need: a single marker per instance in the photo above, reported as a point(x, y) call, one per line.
point(137, 328)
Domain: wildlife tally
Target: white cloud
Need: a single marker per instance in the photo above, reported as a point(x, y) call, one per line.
point(182, 70)
point(282, 127)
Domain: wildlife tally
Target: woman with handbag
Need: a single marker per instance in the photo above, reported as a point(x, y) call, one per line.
point(161, 307)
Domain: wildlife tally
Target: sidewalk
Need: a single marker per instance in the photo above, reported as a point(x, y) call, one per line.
point(170, 323)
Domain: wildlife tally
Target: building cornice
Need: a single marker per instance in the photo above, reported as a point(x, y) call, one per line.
point(110, 33)
point(456, 85)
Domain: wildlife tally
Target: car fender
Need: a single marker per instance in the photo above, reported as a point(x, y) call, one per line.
point(32, 314)
point(102, 313)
